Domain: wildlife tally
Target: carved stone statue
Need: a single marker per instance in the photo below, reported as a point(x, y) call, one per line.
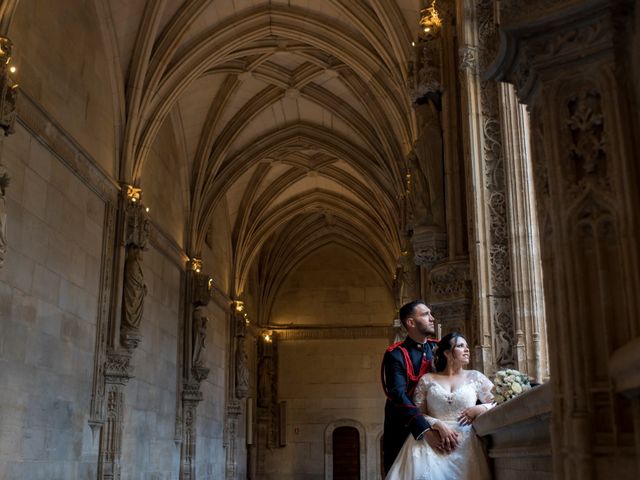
point(265, 379)
point(406, 284)
point(4, 182)
point(242, 369)
point(426, 166)
point(199, 334)
point(134, 289)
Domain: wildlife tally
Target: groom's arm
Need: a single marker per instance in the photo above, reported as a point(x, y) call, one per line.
point(396, 383)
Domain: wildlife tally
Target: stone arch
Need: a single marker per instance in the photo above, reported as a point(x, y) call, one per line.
point(328, 446)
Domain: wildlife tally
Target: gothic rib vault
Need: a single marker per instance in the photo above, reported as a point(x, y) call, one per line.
point(294, 113)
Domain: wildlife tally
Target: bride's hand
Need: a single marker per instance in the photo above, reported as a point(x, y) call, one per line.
point(469, 414)
point(448, 437)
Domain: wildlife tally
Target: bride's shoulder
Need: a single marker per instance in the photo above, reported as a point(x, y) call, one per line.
point(427, 378)
point(475, 375)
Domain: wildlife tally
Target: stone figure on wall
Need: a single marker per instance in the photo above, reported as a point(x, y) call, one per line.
point(242, 369)
point(199, 334)
point(265, 373)
point(426, 167)
point(4, 182)
point(134, 289)
point(406, 283)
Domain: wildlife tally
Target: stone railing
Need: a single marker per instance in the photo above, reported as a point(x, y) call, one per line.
point(518, 436)
point(625, 374)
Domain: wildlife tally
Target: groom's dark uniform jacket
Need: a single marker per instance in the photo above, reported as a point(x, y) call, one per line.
point(402, 366)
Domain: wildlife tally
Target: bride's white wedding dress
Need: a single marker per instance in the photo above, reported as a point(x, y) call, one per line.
point(418, 461)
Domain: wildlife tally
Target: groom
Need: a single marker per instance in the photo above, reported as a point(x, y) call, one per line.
point(402, 366)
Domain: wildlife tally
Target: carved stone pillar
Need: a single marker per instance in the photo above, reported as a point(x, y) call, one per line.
point(234, 409)
point(490, 255)
point(242, 372)
point(117, 372)
point(128, 228)
point(569, 61)
point(8, 97)
point(194, 368)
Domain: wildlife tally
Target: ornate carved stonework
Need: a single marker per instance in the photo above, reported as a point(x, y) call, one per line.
point(117, 372)
point(111, 436)
point(450, 295)
point(242, 368)
point(234, 409)
point(191, 396)
point(468, 56)
point(195, 327)
point(425, 74)
point(4, 183)
point(199, 335)
point(333, 333)
point(8, 88)
point(450, 281)
point(117, 368)
point(493, 291)
point(406, 285)
point(586, 165)
point(136, 235)
point(429, 245)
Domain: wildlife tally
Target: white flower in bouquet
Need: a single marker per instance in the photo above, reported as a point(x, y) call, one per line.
point(508, 384)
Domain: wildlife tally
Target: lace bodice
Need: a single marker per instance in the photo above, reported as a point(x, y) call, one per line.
point(437, 403)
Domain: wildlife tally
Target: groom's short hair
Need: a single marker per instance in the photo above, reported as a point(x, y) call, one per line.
point(407, 310)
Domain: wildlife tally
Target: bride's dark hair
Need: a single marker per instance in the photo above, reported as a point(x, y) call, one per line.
point(446, 343)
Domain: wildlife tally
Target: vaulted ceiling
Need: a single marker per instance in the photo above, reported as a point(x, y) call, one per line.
point(293, 112)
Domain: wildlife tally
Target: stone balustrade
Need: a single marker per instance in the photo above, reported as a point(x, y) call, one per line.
point(518, 436)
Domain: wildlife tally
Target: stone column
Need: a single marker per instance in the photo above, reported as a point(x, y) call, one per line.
point(528, 295)
point(490, 265)
point(116, 340)
point(198, 294)
point(117, 372)
point(8, 97)
point(570, 63)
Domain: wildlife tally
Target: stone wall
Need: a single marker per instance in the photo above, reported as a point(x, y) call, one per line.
point(211, 411)
point(48, 310)
point(333, 287)
point(331, 376)
point(62, 64)
point(324, 382)
point(149, 446)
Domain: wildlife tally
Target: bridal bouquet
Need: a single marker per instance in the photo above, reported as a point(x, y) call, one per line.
point(509, 384)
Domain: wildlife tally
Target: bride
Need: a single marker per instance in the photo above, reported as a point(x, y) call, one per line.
point(448, 399)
